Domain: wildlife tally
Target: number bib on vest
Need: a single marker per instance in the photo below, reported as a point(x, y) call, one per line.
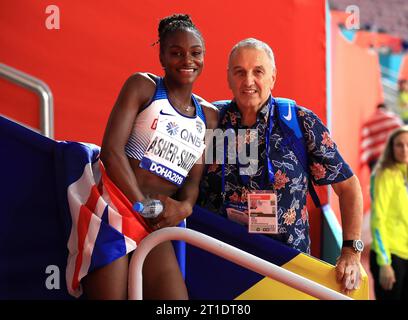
point(175, 147)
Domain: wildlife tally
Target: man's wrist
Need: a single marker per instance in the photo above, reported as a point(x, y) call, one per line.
point(350, 251)
point(357, 245)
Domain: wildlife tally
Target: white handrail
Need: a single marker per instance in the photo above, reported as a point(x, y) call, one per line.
point(225, 251)
point(47, 102)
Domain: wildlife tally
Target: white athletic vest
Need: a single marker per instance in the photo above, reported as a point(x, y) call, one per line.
point(166, 142)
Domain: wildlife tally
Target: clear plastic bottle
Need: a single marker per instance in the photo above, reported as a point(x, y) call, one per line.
point(148, 208)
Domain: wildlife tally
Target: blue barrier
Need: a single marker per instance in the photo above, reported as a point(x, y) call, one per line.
point(32, 230)
point(211, 277)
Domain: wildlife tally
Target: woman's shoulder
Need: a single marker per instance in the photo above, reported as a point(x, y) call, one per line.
point(210, 111)
point(139, 86)
point(143, 78)
point(136, 91)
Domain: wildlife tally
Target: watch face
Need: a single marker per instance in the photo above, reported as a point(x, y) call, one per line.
point(359, 245)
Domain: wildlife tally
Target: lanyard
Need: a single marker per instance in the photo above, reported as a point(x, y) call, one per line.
point(269, 165)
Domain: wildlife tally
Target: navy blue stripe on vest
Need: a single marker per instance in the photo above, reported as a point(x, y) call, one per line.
point(161, 90)
point(199, 110)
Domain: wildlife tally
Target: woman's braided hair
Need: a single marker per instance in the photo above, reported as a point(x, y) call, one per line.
point(174, 23)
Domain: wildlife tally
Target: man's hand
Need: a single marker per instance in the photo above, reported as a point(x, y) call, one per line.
point(387, 277)
point(348, 270)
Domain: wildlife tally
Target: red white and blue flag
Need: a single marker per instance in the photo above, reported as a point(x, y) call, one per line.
point(104, 227)
point(375, 132)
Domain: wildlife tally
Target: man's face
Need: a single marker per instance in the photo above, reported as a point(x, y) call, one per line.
point(250, 77)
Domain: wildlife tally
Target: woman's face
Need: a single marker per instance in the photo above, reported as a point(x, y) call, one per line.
point(400, 148)
point(182, 56)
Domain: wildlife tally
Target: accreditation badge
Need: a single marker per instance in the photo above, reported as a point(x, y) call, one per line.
point(262, 212)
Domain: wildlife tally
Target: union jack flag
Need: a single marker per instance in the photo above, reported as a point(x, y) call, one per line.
point(104, 227)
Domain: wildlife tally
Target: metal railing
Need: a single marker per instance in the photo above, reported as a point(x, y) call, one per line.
point(225, 251)
point(39, 87)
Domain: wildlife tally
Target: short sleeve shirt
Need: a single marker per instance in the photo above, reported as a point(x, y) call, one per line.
point(291, 180)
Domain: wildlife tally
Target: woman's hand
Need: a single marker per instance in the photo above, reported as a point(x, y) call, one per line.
point(387, 277)
point(173, 212)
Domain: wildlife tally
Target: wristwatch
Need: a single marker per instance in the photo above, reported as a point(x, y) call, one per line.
point(358, 245)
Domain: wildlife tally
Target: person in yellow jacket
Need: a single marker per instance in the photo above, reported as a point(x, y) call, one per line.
point(389, 219)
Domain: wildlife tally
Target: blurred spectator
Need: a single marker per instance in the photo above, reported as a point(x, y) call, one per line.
point(403, 99)
point(375, 132)
point(389, 219)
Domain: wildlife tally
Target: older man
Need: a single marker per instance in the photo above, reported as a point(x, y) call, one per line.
point(279, 176)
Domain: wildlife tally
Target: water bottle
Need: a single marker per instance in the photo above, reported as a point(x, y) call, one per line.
point(148, 208)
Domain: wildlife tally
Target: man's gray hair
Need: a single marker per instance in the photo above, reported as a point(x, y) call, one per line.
point(255, 44)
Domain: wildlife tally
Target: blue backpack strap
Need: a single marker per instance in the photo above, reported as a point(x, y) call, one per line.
point(287, 114)
point(289, 124)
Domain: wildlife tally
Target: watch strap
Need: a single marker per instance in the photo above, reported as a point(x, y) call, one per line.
point(357, 245)
point(348, 243)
